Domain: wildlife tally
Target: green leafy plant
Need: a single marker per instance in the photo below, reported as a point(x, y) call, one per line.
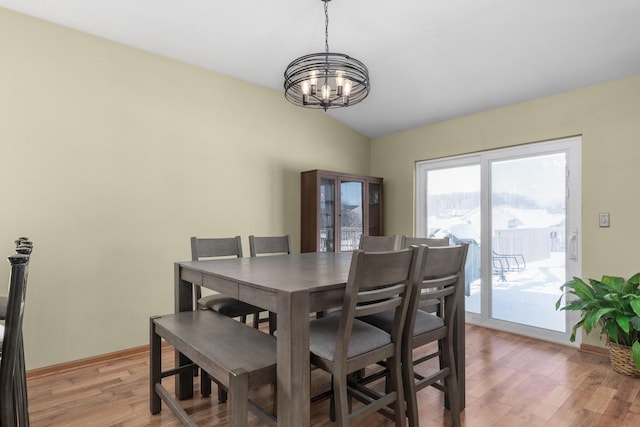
point(613, 303)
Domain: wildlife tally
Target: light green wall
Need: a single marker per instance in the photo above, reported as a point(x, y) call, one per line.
point(111, 158)
point(608, 118)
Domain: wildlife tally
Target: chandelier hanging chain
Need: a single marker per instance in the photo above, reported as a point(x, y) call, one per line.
point(326, 40)
point(326, 26)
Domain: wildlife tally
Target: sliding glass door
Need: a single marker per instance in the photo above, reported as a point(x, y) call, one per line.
point(519, 211)
point(528, 229)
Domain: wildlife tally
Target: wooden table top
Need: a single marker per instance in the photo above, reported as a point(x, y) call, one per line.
point(313, 271)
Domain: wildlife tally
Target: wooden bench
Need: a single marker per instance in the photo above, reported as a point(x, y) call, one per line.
point(235, 355)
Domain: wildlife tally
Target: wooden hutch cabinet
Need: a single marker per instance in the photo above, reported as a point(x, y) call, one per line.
point(337, 208)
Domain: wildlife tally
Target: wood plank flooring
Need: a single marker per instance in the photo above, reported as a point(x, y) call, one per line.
point(511, 381)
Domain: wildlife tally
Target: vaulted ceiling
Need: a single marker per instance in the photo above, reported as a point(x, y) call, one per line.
point(429, 60)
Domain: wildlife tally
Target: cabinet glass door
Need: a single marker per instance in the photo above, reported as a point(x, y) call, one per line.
point(351, 214)
point(327, 214)
point(375, 211)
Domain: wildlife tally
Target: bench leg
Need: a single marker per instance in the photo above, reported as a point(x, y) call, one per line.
point(155, 367)
point(205, 384)
point(222, 394)
point(205, 387)
point(273, 322)
point(238, 398)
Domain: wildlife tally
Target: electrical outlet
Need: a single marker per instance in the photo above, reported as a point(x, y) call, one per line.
point(603, 219)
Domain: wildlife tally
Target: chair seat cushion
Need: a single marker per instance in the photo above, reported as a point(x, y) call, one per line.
point(425, 322)
point(364, 337)
point(228, 306)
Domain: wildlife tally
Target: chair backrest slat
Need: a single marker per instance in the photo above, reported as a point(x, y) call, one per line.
point(430, 286)
point(378, 243)
point(440, 262)
point(437, 294)
point(380, 293)
point(215, 247)
point(377, 307)
point(269, 245)
point(429, 241)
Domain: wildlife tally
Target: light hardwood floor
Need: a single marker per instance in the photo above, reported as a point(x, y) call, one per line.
point(511, 381)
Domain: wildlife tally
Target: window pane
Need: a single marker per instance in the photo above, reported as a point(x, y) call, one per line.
point(351, 193)
point(327, 217)
point(528, 239)
point(453, 209)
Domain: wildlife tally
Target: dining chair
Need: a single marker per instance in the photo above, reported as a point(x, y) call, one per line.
point(378, 243)
point(271, 245)
point(407, 241)
point(23, 246)
point(13, 386)
point(341, 344)
point(212, 248)
point(442, 283)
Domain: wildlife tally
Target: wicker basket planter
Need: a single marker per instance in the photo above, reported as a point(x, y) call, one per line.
point(612, 304)
point(621, 360)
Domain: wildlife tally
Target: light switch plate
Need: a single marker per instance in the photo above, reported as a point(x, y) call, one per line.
point(603, 219)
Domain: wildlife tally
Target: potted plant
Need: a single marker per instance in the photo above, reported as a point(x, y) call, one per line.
point(614, 304)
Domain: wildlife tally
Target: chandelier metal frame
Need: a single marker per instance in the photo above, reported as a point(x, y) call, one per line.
point(326, 80)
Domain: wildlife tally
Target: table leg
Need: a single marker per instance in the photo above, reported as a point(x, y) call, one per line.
point(459, 350)
point(294, 395)
point(183, 300)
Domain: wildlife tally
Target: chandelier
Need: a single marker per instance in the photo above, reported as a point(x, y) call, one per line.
point(326, 80)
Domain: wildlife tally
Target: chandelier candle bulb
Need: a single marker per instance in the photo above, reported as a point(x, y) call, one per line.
point(326, 93)
point(314, 82)
point(305, 92)
point(339, 82)
point(347, 88)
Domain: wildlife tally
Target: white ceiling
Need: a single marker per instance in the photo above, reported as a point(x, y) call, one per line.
point(429, 60)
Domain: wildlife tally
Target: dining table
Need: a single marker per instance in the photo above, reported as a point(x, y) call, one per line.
point(293, 286)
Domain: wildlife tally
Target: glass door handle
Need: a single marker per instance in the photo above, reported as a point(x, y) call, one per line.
point(573, 245)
